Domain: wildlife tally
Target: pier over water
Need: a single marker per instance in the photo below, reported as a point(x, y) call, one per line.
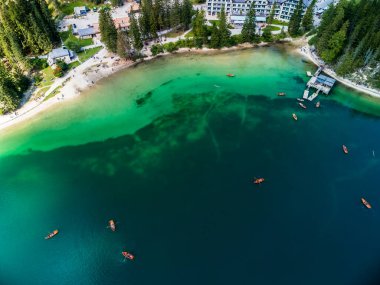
point(320, 82)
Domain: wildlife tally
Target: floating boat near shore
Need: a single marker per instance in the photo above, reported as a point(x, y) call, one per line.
point(318, 104)
point(281, 94)
point(128, 255)
point(230, 75)
point(50, 235)
point(112, 225)
point(345, 149)
point(365, 203)
point(258, 180)
point(295, 117)
point(302, 105)
point(300, 100)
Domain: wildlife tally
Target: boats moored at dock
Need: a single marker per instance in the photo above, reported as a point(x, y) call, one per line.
point(302, 105)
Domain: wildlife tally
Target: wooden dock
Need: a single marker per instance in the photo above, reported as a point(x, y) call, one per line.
point(319, 82)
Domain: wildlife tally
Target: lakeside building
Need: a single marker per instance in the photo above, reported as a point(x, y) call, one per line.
point(61, 53)
point(80, 11)
point(283, 11)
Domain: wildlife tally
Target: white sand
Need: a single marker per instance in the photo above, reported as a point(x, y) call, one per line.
point(72, 84)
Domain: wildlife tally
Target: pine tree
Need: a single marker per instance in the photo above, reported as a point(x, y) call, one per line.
point(200, 29)
point(307, 21)
point(187, 13)
point(295, 20)
point(248, 31)
point(107, 29)
point(175, 15)
point(123, 44)
point(135, 35)
point(223, 29)
point(272, 13)
point(215, 36)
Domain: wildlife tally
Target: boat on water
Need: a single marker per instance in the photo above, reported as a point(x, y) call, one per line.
point(295, 117)
point(258, 180)
point(300, 100)
point(345, 149)
point(50, 235)
point(302, 105)
point(112, 225)
point(281, 94)
point(128, 255)
point(365, 203)
point(318, 104)
point(230, 75)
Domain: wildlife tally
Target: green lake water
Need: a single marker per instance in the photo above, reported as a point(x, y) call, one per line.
point(169, 150)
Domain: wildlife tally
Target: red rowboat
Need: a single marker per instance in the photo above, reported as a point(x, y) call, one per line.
point(128, 255)
point(51, 234)
point(365, 203)
point(230, 75)
point(345, 150)
point(112, 225)
point(258, 180)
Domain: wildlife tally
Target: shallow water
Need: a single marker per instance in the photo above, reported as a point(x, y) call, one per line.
point(168, 149)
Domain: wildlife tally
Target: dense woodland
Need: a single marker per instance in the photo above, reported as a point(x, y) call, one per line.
point(349, 37)
point(26, 28)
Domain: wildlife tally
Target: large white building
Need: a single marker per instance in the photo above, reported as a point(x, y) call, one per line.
point(284, 8)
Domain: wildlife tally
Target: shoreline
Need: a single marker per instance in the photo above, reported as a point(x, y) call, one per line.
point(104, 64)
point(82, 78)
point(308, 54)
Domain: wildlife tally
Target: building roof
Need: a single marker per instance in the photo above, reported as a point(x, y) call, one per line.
point(86, 32)
point(59, 52)
point(78, 10)
point(322, 79)
point(238, 1)
point(305, 2)
point(121, 22)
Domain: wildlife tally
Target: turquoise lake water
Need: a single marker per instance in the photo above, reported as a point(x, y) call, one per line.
point(169, 150)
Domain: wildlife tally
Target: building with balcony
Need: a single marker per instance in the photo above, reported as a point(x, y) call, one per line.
point(283, 11)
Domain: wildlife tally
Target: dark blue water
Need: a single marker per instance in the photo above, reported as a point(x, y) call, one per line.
point(181, 191)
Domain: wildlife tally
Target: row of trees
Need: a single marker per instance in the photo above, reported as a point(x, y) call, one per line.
point(301, 23)
point(349, 36)
point(155, 17)
point(26, 28)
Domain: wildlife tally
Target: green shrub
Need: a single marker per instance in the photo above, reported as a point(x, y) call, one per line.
point(156, 49)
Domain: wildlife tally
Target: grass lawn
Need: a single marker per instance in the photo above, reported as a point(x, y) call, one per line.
point(53, 93)
point(273, 28)
point(189, 34)
point(278, 22)
point(48, 77)
point(174, 34)
point(73, 64)
point(41, 92)
point(69, 37)
point(84, 55)
point(68, 7)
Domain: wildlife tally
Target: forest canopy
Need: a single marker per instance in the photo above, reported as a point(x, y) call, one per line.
point(349, 37)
